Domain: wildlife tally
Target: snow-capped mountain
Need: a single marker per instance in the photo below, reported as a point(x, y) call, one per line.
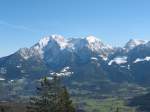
point(88, 59)
point(55, 50)
point(132, 43)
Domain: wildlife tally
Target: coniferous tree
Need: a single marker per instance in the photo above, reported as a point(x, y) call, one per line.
point(51, 97)
point(117, 109)
point(65, 102)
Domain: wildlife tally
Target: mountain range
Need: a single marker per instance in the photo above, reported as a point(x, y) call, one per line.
point(78, 60)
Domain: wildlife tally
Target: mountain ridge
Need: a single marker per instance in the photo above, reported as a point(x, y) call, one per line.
point(78, 60)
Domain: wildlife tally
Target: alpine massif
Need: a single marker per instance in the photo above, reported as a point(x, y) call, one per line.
point(84, 63)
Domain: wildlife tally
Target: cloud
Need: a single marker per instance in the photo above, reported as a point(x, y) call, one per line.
point(21, 27)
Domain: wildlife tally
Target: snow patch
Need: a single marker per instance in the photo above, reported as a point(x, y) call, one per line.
point(94, 58)
point(60, 40)
point(92, 39)
point(128, 67)
point(11, 80)
point(140, 59)
point(118, 60)
point(64, 72)
point(2, 79)
point(25, 53)
point(49, 78)
point(18, 66)
point(44, 41)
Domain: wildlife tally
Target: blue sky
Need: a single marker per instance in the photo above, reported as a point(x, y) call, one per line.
point(24, 22)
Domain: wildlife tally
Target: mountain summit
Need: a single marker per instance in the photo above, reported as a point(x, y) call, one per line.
point(133, 43)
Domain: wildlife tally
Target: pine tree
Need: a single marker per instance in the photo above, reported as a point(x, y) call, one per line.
point(51, 97)
point(117, 109)
point(65, 102)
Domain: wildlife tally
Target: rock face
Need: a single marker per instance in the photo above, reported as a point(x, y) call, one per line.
point(86, 59)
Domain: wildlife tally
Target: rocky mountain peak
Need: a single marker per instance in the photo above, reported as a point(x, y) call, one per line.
point(132, 43)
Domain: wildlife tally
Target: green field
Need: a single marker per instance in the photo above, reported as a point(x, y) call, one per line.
point(105, 105)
